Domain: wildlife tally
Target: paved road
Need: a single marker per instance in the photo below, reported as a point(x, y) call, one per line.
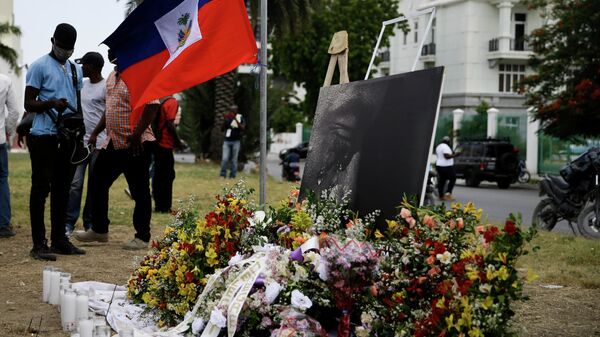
point(497, 204)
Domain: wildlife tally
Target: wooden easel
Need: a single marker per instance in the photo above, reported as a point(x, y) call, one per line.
point(339, 54)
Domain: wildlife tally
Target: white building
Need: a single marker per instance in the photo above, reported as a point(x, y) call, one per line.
point(6, 15)
point(481, 45)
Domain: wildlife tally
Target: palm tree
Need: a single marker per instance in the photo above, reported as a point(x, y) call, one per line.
point(284, 16)
point(7, 53)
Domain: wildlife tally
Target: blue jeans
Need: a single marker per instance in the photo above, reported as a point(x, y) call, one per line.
point(231, 149)
point(75, 193)
point(4, 191)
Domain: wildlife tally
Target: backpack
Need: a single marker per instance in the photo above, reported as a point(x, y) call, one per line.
point(157, 130)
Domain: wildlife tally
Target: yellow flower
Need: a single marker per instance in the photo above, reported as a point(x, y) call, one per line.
point(227, 234)
point(502, 273)
point(450, 321)
point(392, 225)
point(212, 257)
point(489, 301)
point(440, 303)
point(476, 333)
point(378, 234)
point(502, 257)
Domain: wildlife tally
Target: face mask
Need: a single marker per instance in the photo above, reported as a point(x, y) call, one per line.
point(61, 54)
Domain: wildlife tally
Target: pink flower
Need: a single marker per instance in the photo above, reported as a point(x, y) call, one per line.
point(411, 221)
point(404, 213)
point(461, 223)
point(480, 229)
point(427, 220)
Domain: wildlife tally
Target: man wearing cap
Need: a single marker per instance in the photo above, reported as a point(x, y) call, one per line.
point(233, 126)
point(445, 168)
point(93, 103)
point(126, 151)
point(52, 83)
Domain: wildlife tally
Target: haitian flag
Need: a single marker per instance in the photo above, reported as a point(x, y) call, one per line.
point(166, 46)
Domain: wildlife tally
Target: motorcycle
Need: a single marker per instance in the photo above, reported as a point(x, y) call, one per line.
point(573, 196)
point(290, 167)
point(524, 175)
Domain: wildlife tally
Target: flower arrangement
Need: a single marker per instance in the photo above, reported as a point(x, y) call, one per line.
point(305, 267)
point(170, 278)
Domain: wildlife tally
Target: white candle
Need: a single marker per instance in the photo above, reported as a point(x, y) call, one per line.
point(53, 298)
point(68, 311)
point(81, 305)
point(86, 327)
point(61, 297)
point(46, 283)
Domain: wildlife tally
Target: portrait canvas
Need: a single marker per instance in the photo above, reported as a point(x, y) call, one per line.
point(371, 140)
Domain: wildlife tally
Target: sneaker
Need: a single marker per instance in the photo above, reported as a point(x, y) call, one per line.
point(65, 248)
point(6, 232)
point(91, 236)
point(128, 192)
point(42, 252)
point(135, 244)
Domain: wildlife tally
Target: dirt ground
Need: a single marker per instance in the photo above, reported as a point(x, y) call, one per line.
point(549, 312)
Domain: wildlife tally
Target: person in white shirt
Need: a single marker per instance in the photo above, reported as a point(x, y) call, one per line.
point(8, 123)
point(445, 169)
point(93, 104)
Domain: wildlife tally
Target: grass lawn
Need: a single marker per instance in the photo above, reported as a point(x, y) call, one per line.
point(198, 180)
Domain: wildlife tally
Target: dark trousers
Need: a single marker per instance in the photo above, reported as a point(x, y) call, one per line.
point(109, 165)
point(51, 173)
point(446, 174)
point(162, 181)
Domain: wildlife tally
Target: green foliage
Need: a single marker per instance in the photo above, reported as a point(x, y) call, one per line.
point(303, 57)
point(476, 126)
point(283, 111)
point(197, 116)
point(7, 53)
point(444, 128)
point(566, 88)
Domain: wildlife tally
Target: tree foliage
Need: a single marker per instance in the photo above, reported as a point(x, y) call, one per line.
point(6, 52)
point(303, 57)
point(475, 127)
point(565, 91)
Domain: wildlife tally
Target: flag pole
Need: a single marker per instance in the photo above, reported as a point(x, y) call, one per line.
point(263, 102)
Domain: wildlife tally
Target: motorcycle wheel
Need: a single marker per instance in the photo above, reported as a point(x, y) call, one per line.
point(588, 223)
point(524, 177)
point(545, 215)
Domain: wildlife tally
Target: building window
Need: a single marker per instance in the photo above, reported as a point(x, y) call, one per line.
point(510, 75)
point(433, 31)
point(416, 31)
point(519, 27)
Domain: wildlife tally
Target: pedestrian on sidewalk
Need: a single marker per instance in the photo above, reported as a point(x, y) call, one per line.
point(8, 124)
point(234, 125)
point(444, 166)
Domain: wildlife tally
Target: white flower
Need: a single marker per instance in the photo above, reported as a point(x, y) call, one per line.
point(366, 318)
point(445, 258)
point(235, 259)
point(197, 325)
point(406, 259)
point(323, 269)
point(300, 301)
point(485, 288)
point(272, 291)
point(361, 332)
point(257, 219)
point(217, 318)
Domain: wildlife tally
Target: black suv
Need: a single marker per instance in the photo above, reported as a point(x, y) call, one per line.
point(487, 159)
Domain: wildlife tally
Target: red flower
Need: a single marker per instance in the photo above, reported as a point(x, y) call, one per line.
point(440, 248)
point(189, 277)
point(510, 228)
point(491, 233)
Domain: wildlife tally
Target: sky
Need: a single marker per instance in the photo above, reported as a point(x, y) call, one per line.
point(94, 20)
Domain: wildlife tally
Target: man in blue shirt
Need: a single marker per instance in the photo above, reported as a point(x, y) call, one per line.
point(51, 88)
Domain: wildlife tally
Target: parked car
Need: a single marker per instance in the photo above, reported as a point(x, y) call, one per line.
point(488, 159)
point(301, 149)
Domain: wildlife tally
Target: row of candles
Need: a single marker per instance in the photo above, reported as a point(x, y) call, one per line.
point(73, 306)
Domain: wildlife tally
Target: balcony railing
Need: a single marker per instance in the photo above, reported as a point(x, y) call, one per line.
point(385, 56)
point(428, 49)
point(515, 45)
